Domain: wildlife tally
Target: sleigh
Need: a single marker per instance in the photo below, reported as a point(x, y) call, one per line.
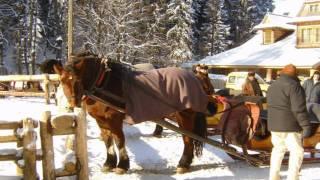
point(242, 124)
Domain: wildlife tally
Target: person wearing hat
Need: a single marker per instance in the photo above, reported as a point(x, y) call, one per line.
point(203, 77)
point(197, 69)
point(312, 89)
point(251, 86)
point(287, 121)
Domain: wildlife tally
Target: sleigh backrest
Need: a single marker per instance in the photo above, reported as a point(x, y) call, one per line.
point(238, 123)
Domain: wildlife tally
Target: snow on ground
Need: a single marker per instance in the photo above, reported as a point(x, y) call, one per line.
point(151, 158)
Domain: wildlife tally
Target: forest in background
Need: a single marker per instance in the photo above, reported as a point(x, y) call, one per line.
point(162, 32)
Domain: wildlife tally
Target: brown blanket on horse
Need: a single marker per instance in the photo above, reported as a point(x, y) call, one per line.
point(159, 92)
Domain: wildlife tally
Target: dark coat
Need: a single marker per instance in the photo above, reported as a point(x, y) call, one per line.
point(314, 94)
point(286, 105)
point(313, 98)
point(312, 91)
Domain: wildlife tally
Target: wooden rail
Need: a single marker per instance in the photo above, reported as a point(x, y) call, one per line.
point(45, 78)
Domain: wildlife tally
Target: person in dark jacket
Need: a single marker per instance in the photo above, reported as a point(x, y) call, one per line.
point(287, 121)
point(312, 89)
point(251, 86)
point(309, 84)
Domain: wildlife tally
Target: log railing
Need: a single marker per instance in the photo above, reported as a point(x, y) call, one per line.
point(75, 163)
point(25, 138)
point(45, 78)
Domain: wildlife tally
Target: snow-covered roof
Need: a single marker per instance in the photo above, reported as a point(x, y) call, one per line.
point(254, 54)
point(304, 19)
point(275, 21)
point(275, 25)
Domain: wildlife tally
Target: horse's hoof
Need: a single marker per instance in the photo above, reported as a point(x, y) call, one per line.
point(182, 170)
point(107, 169)
point(119, 171)
point(157, 135)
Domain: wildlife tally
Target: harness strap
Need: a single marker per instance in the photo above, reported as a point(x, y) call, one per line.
point(100, 78)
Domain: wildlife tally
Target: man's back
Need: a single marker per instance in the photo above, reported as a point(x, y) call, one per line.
point(286, 105)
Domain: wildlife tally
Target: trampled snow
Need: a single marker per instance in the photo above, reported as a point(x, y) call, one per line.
point(150, 157)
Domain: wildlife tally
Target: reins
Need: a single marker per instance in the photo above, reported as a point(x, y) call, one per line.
point(231, 107)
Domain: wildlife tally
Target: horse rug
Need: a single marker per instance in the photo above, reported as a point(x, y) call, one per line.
point(157, 93)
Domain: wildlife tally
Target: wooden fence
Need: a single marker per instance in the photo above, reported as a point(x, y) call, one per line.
point(25, 139)
point(43, 78)
point(65, 124)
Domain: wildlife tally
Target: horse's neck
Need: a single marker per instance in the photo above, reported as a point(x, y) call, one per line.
point(91, 72)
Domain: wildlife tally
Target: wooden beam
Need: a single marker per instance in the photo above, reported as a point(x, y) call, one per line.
point(8, 138)
point(29, 150)
point(47, 147)
point(70, 28)
point(10, 125)
point(58, 132)
point(40, 77)
point(20, 93)
point(81, 144)
point(8, 154)
point(64, 121)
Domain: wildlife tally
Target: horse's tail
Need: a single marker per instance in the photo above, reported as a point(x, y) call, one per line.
point(200, 128)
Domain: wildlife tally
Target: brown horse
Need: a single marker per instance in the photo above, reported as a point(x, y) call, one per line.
point(107, 90)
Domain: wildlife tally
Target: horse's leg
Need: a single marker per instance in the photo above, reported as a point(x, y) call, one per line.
point(186, 122)
point(115, 120)
point(111, 161)
point(158, 131)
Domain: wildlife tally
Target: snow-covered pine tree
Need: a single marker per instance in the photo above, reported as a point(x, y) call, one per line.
point(214, 30)
point(179, 34)
point(54, 21)
point(197, 32)
point(244, 14)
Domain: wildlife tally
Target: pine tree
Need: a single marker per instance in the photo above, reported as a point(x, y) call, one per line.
point(179, 34)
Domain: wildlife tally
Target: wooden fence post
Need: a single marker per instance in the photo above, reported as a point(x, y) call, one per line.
point(81, 143)
point(48, 166)
point(29, 150)
point(46, 88)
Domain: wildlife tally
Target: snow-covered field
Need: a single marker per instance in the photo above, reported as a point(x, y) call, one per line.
point(151, 158)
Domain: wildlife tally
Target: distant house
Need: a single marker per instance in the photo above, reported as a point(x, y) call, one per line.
point(280, 40)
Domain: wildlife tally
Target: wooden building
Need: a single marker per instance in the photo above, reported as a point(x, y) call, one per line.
point(280, 40)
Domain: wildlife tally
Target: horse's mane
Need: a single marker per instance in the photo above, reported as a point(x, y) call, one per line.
point(115, 66)
point(47, 65)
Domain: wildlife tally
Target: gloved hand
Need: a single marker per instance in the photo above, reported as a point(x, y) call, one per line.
point(306, 131)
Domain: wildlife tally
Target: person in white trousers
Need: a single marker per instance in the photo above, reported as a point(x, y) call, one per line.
point(282, 142)
point(288, 122)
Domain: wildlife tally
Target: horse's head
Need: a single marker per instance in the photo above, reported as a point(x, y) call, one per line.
point(77, 75)
point(70, 82)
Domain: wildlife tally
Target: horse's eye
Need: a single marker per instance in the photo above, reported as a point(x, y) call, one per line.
point(70, 77)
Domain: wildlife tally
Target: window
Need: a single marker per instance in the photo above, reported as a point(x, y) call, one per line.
point(232, 79)
point(306, 35)
point(267, 37)
point(309, 37)
point(313, 8)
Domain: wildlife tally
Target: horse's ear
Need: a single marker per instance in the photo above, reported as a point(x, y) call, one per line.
point(58, 69)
